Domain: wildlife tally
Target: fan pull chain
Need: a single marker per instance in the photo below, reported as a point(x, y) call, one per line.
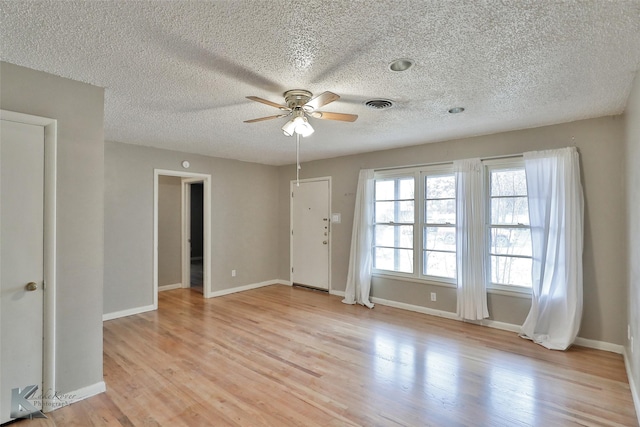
point(297, 159)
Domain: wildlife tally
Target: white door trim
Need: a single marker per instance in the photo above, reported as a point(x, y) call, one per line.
point(292, 185)
point(206, 179)
point(50, 177)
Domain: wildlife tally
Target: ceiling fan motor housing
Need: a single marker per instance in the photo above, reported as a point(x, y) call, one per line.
point(296, 98)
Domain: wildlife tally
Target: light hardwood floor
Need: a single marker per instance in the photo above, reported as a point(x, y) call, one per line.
point(281, 356)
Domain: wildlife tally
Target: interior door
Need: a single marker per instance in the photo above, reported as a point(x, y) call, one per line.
point(310, 234)
point(21, 260)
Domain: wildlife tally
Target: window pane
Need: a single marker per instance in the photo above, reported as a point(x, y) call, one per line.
point(508, 182)
point(440, 187)
point(385, 189)
point(510, 210)
point(406, 188)
point(511, 241)
point(393, 259)
point(442, 264)
point(394, 235)
point(394, 212)
point(440, 211)
point(511, 271)
point(440, 238)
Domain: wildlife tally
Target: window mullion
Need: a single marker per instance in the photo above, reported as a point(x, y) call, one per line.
point(396, 229)
point(418, 231)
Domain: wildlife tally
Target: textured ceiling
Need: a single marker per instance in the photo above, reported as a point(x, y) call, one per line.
point(176, 73)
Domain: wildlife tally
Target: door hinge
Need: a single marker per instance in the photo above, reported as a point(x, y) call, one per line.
point(292, 194)
point(292, 269)
point(292, 232)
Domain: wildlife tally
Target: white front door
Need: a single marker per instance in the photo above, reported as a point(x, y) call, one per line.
point(21, 260)
point(310, 234)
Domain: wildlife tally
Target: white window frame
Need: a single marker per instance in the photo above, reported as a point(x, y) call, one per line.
point(390, 174)
point(489, 166)
point(440, 170)
point(418, 174)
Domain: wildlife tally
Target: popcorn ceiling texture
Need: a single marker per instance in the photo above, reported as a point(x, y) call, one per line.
point(176, 73)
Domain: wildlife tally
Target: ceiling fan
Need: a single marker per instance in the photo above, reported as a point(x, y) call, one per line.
point(300, 104)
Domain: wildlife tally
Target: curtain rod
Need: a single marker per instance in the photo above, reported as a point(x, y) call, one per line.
point(510, 156)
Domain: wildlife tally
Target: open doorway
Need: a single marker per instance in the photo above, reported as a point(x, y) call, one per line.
point(190, 188)
point(193, 268)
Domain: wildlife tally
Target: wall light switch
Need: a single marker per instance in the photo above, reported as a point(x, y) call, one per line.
point(336, 218)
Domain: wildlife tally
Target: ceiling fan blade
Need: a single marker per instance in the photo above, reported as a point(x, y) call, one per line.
point(334, 116)
point(323, 99)
point(266, 118)
point(264, 101)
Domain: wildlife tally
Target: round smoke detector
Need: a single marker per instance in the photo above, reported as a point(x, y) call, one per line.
point(379, 104)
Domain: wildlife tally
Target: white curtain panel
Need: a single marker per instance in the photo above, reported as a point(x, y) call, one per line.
point(556, 211)
point(360, 258)
point(470, 225)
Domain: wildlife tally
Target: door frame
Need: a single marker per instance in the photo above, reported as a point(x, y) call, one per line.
point(206, 180)
point(186, 231)
point(292, 185)
point(49, 288)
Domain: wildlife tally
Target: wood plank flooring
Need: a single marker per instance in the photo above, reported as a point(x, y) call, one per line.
point(282, 356)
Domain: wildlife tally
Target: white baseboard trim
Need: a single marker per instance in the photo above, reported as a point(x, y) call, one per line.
point(169, 287)
point(60, 400)
point(416, 308)
point(584, 342)
point(337, 293)
point(496, 325)
point(599, 345)
point(246, 288)
point(128, 312)
point(632, 384)
point(285, 282)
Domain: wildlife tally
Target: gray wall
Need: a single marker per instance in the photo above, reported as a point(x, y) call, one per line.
point(169, 230)
point(632, 120)
point(78, 108)
point(601, 146)
point(245, 203)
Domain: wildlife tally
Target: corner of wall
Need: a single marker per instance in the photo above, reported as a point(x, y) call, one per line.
point(632, 211)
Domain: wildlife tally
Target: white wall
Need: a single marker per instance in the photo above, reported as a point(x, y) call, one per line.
point(600, 143)
point(632, 178)
point(244, 205)
point(79, 109)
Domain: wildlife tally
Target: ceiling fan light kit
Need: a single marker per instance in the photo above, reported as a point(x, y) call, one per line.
point(298, 124)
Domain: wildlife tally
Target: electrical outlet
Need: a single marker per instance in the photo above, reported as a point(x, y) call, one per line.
point(233, 273)
point(433, 296)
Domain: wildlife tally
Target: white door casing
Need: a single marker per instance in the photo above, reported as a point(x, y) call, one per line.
point(21, 260)
point(310, 232)
point(187, 176)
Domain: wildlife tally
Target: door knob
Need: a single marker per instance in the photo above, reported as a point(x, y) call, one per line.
point(324, 242)
point(31, 286)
